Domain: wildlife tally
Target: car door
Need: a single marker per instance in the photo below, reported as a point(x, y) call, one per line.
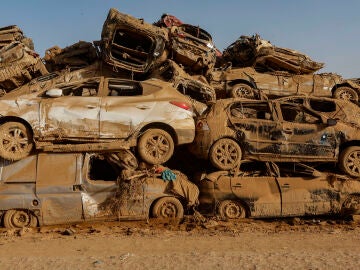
point(75, 114)
point(124, 108)
point(57, 187)
point(304, 135)
point(105, 196)
point(254, 124)
point(258, 189)
point(305, 192)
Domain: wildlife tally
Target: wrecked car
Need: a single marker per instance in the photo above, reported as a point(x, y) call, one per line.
point(263, 189)
point(12, 33)
point(253, 51)
point(236, 129)
point(247, 83)
point(132, 44)
point(87, 187)
point(97, 114)
point(18, 65)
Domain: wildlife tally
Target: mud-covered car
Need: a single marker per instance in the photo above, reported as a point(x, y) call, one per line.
point(263, 189)
point(132, 44)
point(86, 187)
point(235, 129)
point(18, 65)
point(97, 114)
point(247, 83)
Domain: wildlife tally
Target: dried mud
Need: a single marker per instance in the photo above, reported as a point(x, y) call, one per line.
point(244, 244)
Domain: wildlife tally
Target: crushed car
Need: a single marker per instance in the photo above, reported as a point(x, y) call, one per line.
point(18, 65)
point(236, 129)
point(88, 187)
point(249, 83)
point(97, 114)
point(265, 189)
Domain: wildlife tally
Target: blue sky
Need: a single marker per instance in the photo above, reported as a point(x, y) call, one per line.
point(326, 30)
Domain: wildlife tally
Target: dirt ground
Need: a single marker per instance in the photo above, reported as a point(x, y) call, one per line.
point(190, 244)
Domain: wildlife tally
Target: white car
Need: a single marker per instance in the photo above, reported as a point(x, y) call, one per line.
point(97, 114)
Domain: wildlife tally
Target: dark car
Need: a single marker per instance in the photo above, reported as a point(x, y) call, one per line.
point(62, 188)
point(235, 129)
point(263, 189)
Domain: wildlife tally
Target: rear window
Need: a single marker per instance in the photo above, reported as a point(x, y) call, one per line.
point(22, 171)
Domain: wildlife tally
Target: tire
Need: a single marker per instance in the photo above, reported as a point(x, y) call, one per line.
point(225, 154)
point(168, 207)
point(346, 93)
point(15, 141)
point(349, 161)
point(155, 146)
point(242, 90)
point(19, 219)
point(229, 209)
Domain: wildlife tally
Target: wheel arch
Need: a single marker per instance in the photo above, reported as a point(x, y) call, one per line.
point(348, 144)
point(17, 119)
point(345, 84)
point(237, 81)
point(162, 126)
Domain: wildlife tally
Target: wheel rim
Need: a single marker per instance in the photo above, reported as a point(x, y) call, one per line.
point(346, 95)
point(157, 146)
point(15, 140)
point(20, 219)
point(243, 91)
point(167, 210)
point(232, 210)
point(353, 162)
point(226, 154)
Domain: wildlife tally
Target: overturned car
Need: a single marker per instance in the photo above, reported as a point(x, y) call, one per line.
point(264, 189)
point(87, 187)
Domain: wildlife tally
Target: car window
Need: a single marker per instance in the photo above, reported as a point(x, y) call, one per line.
point(251, 111)
point(100, 169)
point(298, 115)
point(253, 169)
point(124, 88)
point(322, 105)
point(81, 90)
point(22, 171)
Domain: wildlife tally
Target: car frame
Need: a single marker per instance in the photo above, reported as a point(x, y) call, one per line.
point(86, 116)
point(268, 190)
point(235, 129)
point(86, 187)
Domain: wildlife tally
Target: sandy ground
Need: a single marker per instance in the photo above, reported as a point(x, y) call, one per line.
point(244, 244)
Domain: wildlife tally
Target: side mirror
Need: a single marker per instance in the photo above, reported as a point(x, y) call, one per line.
point(331, 122)
point(54, 93)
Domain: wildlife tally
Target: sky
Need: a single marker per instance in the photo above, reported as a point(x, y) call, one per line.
point(325, 30)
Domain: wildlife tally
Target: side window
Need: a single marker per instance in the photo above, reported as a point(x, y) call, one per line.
point(23, 171)
point(101, 170)
point(323, 105)
point(251, 111)
point(124, 88)
point(81, 90)
point(298, 115)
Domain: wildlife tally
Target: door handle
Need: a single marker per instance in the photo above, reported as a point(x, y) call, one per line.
point(142, 107)
point(285, 186)
point(288, 131)
point(78, 188)
point(91, 106)
point(238, 185)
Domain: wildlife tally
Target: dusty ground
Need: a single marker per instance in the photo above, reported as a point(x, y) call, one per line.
point(247, 244)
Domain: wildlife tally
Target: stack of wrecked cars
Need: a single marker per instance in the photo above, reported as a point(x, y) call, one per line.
point(109, 115)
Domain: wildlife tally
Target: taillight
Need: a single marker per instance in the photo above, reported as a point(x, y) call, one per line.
point(202, 125)
point(182, 105)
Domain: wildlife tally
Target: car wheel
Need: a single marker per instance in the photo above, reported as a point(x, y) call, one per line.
point(155, 146)
point(346, 93)
point(231, 210)
point(242, 90)
point(349, 161)
point(168, 207)
point(225, 154)
point(15, 141)
point(19, 219)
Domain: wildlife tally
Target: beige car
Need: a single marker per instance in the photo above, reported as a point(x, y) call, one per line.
point(248, 83)
point(97, 114)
